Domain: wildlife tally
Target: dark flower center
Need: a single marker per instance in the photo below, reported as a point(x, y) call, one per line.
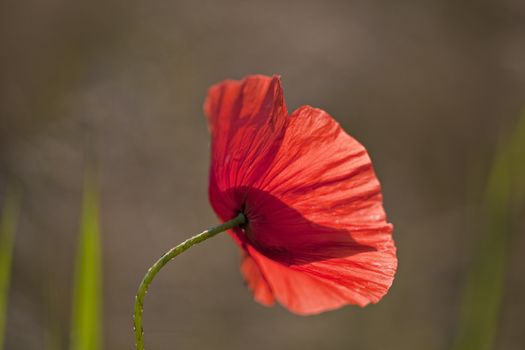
point(242, 211)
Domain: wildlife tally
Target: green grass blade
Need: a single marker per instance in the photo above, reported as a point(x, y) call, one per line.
point(483, 293)
point(518, 161)
point(8, 222)
point(87, 303)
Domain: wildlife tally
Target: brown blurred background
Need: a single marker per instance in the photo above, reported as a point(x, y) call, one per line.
point(429, 87)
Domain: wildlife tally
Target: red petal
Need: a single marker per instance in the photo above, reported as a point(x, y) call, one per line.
point(256, 281)
point(246, 120)
point(321, 190)
point(317, 220)
point(325, 285)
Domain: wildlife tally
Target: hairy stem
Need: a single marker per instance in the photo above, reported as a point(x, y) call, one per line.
point(173, 252)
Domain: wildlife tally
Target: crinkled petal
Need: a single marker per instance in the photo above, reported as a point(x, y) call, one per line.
point(256, 281)
point(318, 218)
point(321, 191)
point(304, 293)
point(247, 121)
point(321, 286)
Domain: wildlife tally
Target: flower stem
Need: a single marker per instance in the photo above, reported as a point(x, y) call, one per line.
point(173, 252)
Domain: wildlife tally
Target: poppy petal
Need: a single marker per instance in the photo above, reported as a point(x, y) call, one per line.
point(320, 190)
point(247, 121)
point(323, 286)
point(319, 219)
point(256, 281)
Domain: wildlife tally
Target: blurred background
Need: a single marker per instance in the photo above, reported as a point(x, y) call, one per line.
point(433, 89)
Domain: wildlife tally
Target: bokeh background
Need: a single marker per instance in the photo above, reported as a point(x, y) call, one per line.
point(432, 88)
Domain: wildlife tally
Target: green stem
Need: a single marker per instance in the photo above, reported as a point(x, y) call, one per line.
point(173, 252)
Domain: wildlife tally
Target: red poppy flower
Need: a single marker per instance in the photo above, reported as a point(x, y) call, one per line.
point(316, 235)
